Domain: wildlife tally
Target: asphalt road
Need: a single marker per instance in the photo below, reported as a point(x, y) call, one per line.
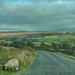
point(48, 63)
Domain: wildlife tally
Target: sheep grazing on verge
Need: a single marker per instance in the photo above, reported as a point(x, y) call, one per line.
point(11, 65)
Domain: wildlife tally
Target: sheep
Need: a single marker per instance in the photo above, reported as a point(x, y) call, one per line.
point(11, 65)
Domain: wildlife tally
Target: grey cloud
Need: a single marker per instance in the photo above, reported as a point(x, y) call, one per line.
point(50, 0)
point(2, 2)
point(43, 0)
point(33, 17)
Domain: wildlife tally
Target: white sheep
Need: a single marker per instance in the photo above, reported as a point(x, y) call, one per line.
point(11, 64)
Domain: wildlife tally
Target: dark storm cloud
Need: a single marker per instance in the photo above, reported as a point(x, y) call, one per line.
point(50, 15)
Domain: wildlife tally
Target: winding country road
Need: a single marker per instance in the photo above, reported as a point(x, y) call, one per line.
point(49, 63)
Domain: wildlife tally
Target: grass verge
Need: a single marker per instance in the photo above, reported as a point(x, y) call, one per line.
point(7, 53)
point(27, 63)
point(68, 56)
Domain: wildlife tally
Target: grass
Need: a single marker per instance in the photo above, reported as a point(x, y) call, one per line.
point(37, 43)
point(7, 53)
point(54, 36)
point(68, 56)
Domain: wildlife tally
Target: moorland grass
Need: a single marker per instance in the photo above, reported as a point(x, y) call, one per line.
point(7, 53)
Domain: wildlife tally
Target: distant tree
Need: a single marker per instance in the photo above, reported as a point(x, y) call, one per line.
point(55, 46)
point(30, 44)
point(42, 45)
point(59, 45)
point(18, 44)
point(5, 43)
point(48, 47)
point(73, 47)
point(66, 45)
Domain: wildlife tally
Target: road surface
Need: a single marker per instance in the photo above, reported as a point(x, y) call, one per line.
point(49, 63)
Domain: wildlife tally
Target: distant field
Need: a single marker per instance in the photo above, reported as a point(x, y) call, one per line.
point(9, 34)
point(6, 34)
point(51, 36)
point(46, 37)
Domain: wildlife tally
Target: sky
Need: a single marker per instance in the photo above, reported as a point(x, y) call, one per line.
point(37, 15)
